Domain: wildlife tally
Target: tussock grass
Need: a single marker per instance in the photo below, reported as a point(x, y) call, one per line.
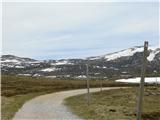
point(117, 104)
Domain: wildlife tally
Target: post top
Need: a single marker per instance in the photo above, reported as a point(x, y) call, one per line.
point(146, 43)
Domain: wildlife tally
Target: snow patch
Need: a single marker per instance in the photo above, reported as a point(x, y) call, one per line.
point(97, 73)
point(152, 55)
point(24, 74)
point(19, 66)
point(137, 80)
point(48, 69)
point(81, 76)
point(50, 76)
point(4, 65)
point(13, 60)
point(35, 62)
point(36, 75)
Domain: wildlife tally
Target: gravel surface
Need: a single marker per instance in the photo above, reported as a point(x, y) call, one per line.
point(50, 106)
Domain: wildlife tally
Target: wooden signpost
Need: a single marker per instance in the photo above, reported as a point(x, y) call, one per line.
point(88, 92)
point(141, 88)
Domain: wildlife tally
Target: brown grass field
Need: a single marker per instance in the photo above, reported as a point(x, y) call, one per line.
point(15, 91)
point(117, 104)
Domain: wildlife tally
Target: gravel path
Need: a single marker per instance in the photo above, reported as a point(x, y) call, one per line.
point(50, 106)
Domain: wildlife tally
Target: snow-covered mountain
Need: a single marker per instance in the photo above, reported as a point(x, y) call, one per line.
point(15, 59)
point(124, 63)
point(128, 52)
point(12, 61)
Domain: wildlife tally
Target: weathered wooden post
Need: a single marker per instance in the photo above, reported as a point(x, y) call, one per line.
point(88, 92)
point(156, 77)
point(141, 88)
point(101, 85)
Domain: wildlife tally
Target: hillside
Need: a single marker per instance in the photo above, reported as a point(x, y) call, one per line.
point(122, 64)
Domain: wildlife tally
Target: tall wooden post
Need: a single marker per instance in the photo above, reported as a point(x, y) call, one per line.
point(156, 77)
point(101, 85)
point(88, 92)
point(141, 88)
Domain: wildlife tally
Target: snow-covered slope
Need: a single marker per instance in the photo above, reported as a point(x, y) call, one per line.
point(15, 59)
point(50, 69)
point(127, 52)
point(153, 53)
point(17, 62)
point(123, 53)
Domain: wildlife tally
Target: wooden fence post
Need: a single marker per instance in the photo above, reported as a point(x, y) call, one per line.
point(141, 87)
point(88, 91)
point(101, 85)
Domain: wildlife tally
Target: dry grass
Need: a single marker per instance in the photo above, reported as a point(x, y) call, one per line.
point(17, 90)
point(12, 85)
point(117, 104)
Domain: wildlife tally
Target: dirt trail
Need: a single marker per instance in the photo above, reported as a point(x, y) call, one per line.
point(51, 107)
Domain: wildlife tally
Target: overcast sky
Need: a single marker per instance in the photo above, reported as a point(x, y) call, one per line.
point(77, 30)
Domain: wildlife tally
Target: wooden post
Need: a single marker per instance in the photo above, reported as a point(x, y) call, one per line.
point(141, 88)
point(156, 77)
point(88, 92)
point(101, 85)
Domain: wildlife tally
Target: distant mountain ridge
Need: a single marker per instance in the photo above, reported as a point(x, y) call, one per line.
point(12, 58)
point(124, 63)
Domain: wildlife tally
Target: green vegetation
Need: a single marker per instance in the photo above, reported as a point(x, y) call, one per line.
point(17, 90)
point(117, 104)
